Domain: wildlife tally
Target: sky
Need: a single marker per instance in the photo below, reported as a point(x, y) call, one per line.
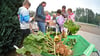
point(53, 5)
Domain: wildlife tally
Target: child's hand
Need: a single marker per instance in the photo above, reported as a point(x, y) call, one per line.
point(32, 18)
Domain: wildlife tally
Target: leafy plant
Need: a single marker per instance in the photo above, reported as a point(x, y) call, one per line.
point(72, 27)
point(71, 42)
point(37, 43)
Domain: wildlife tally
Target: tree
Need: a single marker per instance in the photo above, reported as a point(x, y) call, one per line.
point(78, 14)
point(9, 25)
point(85, 15)
point(90, 16)
point(97, 19)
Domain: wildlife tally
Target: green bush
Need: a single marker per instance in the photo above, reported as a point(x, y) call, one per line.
point(9, 25)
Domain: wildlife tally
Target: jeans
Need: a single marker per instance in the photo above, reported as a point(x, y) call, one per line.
point(41, 26)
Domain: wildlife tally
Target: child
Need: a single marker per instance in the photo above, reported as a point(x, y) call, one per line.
point(60, 20)
point(24, 19)
point(71, 15)
point(48, 17)
point(54, 16)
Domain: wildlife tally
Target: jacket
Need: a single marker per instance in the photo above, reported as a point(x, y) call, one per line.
point(71, 17)
point(24, 18)
point(40, 16)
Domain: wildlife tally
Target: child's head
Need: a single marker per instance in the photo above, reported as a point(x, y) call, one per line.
point(69, 11)
point(63, 8)
point(26, 3)
point(54, 14)
point(58, 12)
point(46, 13)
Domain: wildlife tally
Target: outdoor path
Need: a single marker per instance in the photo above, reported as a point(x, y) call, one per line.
point(91, 38)
point(91, 33)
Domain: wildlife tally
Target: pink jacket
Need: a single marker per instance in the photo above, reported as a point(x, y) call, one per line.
point(48, 17)
point(60, 20)
point(71, 17)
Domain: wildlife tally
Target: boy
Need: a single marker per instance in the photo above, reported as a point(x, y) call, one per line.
point(24, 19)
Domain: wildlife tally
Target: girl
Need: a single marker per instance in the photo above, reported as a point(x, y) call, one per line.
point(71, 15)
point(48, 17)
point(60, 20)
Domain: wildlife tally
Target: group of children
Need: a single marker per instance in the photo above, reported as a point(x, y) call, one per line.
point(61, 16)
point(41, 18)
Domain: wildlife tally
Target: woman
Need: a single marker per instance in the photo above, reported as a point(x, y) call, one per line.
point(40, 16)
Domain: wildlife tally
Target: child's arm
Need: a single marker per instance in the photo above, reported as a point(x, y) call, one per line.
point(73, 17)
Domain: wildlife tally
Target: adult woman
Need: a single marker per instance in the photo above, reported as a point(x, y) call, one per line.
point(40, 16)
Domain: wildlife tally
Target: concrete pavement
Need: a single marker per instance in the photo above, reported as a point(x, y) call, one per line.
point(91, 38)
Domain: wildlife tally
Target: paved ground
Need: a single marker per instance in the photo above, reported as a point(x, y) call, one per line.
point(91, 34)
point(92, 38)
point(90, 28)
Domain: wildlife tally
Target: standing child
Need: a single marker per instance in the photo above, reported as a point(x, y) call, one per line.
point(47, 20)
point(48, 17)
point(24, 19)
point(60, 20)
point(71, 15)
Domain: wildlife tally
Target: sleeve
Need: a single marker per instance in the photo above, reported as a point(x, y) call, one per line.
point(40, 13)
point(25, 15)
point(73, 17)
point(57, 17)
point(30, 19)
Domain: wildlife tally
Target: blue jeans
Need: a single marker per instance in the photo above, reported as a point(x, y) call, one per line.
point(41, 26)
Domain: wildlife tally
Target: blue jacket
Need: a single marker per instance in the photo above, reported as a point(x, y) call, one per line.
point(40, 16)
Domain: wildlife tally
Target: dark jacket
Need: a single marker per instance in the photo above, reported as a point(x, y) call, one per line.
point(40, 16)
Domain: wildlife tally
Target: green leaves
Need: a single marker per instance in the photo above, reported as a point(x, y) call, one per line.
point(72, 27)
point(21, 51)
point(34, 43)
point(71, 42)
